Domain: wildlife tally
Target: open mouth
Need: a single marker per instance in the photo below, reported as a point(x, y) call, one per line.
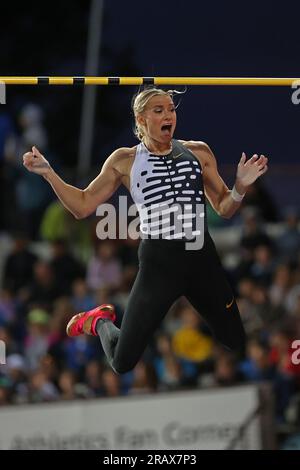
point(167, 128)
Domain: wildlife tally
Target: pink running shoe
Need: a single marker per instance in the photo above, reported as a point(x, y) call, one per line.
point(85, 322)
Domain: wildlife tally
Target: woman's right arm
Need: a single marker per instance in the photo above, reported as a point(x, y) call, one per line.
point(80, 202)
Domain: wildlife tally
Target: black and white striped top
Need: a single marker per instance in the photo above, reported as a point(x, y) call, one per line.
point(168, 192)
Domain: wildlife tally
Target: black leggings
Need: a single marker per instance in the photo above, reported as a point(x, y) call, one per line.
point(168, 271)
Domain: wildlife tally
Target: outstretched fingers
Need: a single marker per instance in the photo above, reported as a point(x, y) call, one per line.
point(243, 158)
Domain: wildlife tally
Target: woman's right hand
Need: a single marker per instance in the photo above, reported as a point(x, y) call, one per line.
point(34, 161)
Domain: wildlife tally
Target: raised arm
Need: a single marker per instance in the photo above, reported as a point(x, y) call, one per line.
point(80, 202)
point(225, 201)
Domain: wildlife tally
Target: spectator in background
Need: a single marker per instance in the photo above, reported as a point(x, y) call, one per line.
point(280, 285)
point(37, 340)
point(18, 266)
point(8, 307)
point(104, 268)
point(127, 279)
point(55, 357)
point(251, 319)
point(81, 298)
point(31, 196)
point(65, 267)
point(166, 364)
point(192, 345)
point(44, 289)
point(172, 321)
point(6, 130)
point(66, 384)
point(281, 353)
point(245, 288)
point(16, 372)
point(61, 311)
point(260, 198)
point(31, 120)
point(111, 384)
point(189, 342)
point(291, 300)
point(11, 346)
point(58, 223)
point(5, 390)
point(69, 388)
point(144, 379)
point(92, 375)
point(55, 223)
point(49, 367)
point(226, 371)
point(76, 354)
point(41, 389)
point(288, 243)
point(262, 307)
point(287, 382)
point(295, 314)
point(263, 266)
point(104, 295)
point(253, 233)
point(257, 366)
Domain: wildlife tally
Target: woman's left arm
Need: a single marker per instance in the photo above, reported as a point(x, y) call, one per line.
point(225, 201)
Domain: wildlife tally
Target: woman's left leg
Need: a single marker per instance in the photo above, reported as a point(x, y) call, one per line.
point(210, 294)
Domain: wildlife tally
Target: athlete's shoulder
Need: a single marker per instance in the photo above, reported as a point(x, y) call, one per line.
point(195, 145)
point(121, 159)
point(123, 152)
point(201, 151)
point(120, 155)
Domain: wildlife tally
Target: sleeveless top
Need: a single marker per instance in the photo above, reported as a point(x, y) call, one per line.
point(168, 193)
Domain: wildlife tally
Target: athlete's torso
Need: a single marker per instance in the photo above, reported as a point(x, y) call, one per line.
point(124, 165)
point(168, 192)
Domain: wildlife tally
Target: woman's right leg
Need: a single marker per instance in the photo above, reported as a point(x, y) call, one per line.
point(157, 285)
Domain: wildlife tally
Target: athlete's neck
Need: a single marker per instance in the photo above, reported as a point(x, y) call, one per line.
point(158, 148)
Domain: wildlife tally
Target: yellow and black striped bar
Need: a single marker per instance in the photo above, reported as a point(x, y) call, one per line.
point(236, 81)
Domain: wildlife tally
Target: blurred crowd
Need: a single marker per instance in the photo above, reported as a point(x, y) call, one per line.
point(55, 266)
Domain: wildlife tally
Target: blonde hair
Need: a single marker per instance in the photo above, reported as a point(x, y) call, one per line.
point(140, 101)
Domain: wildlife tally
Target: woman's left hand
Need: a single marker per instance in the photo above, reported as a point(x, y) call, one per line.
point(249, 171)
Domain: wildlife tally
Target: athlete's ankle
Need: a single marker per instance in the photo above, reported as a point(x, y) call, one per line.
point(100, 322)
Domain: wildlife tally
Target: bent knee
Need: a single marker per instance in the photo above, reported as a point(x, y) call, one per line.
point(122, 368)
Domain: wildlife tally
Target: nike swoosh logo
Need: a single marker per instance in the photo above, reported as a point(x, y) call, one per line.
point(179, 155)
point(229, 305)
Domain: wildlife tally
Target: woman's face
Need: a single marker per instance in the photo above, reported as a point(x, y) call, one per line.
point(159, 118)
